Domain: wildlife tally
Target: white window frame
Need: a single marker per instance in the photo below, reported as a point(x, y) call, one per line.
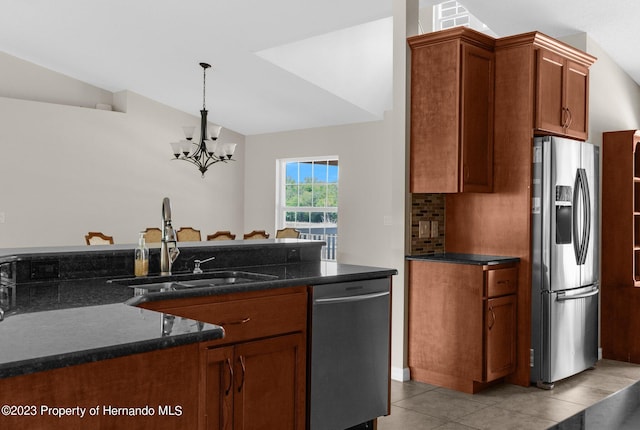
point(329, 251)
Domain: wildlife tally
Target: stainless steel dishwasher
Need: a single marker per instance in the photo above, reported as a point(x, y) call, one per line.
point(349, 353)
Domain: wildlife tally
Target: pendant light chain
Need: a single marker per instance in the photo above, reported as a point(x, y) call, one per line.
point(204, 87)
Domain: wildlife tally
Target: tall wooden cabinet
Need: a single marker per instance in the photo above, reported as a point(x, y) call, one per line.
point(620, 270)
point(541, 87)
point(452, 81)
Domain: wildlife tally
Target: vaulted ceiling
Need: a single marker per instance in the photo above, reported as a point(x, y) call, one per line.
point(277, 64)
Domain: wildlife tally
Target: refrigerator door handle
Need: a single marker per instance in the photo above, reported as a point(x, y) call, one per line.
point(586, 215)
point(576, 196)
point(581, 195)
point(562, 297)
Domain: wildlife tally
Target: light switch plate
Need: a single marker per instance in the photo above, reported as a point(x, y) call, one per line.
point(424, 229)
point(2, 218)
point(434, 228)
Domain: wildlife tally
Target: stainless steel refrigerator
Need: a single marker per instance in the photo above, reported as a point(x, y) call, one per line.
point(565, 258)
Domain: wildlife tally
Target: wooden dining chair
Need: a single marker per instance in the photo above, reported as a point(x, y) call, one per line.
point(98, 238)
point(287, 232)
point(152, 235)
point(188, 234)
point(221, 235)
point(256, 234)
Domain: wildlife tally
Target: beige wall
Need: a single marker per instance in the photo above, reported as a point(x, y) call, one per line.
point(66, 170)
point(372, 185)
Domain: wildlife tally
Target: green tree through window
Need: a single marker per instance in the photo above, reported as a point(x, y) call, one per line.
point(309, 199)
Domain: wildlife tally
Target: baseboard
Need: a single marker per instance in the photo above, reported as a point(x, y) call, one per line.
point(400, 374)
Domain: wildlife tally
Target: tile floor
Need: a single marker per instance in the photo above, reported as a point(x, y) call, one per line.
point(417, 406)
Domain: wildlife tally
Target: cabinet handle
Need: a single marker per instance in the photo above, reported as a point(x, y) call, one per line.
point(226, 392)
point(504, 281)
point(493, 318)
point(236, 322)
point(244, 369)
point(570, 118)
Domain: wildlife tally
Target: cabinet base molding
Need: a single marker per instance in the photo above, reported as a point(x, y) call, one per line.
point(450, 381)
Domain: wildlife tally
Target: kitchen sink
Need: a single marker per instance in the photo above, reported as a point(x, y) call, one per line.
point(213, 279)
point(224, 278)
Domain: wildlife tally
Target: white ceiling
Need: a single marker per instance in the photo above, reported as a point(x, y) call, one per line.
point(612, 24)
point(277, 64)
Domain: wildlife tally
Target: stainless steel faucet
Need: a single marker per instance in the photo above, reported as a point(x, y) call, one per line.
point(168, 254)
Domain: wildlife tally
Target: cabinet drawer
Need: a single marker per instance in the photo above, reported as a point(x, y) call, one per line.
point(502, 281)
point(251, 318)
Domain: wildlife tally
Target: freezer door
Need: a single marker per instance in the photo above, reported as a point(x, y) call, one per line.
point(590, 269)
point(560, 166)
point(570, 338)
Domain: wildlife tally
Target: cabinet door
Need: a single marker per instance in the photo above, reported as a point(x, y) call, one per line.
point(270, 384)
point(500, 336)
point(576, 100)
point(476, 132)
point(550, 113)
point(562, 96)
point(216, 392)
point(435, 114)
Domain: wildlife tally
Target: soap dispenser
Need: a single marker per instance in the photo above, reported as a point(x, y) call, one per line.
point(141, 267)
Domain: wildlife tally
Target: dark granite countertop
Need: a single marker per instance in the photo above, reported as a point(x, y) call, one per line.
point(36, 341)
point(455, 258)
point(285, 275)
point(66, 322)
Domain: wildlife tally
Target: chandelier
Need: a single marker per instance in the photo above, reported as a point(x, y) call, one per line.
point(207, 150)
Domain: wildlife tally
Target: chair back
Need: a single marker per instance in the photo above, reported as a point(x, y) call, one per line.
point(256, 234)
point(221, 235)
point(152, 235)
point(97, 238)
point(188, 234)
point(288, 232)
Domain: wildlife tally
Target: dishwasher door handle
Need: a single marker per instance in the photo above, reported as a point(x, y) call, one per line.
point(346, 299)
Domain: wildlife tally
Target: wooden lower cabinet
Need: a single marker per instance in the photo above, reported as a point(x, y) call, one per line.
point(462, 324)
point(255, 385)
point(255, 377)
point(162, 384)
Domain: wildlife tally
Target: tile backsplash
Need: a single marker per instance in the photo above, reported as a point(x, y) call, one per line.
point(428, 208)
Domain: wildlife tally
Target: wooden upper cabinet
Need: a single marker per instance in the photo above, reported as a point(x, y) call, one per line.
point(452, 90)
point(562, 95)
point(559, 74)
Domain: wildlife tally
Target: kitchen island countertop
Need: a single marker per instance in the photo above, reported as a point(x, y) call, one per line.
point(69, 322)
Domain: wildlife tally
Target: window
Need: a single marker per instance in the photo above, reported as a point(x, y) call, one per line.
point(307, 199)
point(451, 13)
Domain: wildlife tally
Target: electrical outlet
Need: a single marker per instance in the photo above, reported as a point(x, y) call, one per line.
point(2, 217)
point(424, 229)
point(434, 228)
